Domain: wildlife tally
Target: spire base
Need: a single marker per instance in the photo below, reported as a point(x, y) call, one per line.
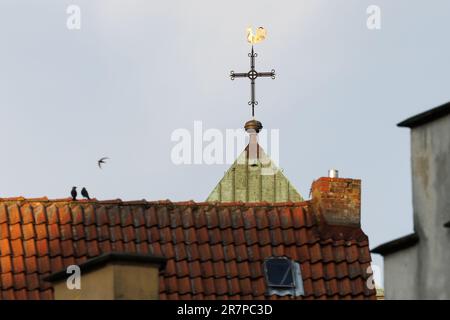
point(253, 126)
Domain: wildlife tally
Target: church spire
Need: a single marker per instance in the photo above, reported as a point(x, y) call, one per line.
point(254, 177)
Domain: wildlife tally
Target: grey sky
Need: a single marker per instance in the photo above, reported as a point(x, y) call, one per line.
point(137, 70)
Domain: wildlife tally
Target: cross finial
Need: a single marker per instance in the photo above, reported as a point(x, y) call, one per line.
point(252, 74)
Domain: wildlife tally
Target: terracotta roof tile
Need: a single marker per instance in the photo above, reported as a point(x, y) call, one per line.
point(3, 213)
point(55, 249)
point(31, 264)
point(317, 271)
point(298, 217)
point(190, 235)
point(344, 286)
point(77, 214)
point(251, 236)
point(90, 232)
point(5, 264)
point(105, 246)
point(303, 253)
point(56, 263)
point(194, 269)
point(286, 218)
point(224, 218)
point(291, 252)
point(4, 233)
point(192, 252)
point(199, 218)
point(227, 236)
point(254, 252)
point(249, 218)
point(15, 231)
point(256, 269)
point(308, 287)
point(13, 214)
point(206, 269)
point(101, 217)
point(277, 251)
point(17, 247)
point(217, 252)
point(236, 219)
point(239, 236)
point(214, 251)
point(315, 253)
point(66, 231)
point(276, 236)
point(5, 248)
point(33, 295)
point(64, 214)
point(332, 288)
point(196, 285)
point(214, 236)
point(126, 219)
point(182, 269)
point(341, 270)
point(319, 287)
point(117, 246)
point(212, 220)
point(329, 271)
point(246, 286)
point(243, 269)
point(306, 271)
point(231, 269)
point(208, 286)
point(205, 249)
point(258, 287)
point(264, 236)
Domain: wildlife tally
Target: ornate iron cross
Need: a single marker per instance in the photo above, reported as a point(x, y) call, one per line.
point(252, 75)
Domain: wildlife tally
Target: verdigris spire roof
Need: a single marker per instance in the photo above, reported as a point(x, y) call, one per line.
point(254, 177)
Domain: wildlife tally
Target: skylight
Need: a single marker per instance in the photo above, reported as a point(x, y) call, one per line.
point(283, 276)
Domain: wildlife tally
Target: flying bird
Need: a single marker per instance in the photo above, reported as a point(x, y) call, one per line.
point(85, 194)
point(74, 193)
point(102, 161)
point(258, 37)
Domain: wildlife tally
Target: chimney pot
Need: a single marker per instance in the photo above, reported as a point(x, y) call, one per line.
point(333, 173)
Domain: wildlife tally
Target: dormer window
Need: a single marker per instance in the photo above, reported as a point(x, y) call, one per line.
point(283, 276)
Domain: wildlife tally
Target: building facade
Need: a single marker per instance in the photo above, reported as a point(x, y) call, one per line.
point(417, 266)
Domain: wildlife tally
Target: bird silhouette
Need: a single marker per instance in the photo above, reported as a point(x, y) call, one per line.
point(74, 193)
point(102, 161)
point(85, 194)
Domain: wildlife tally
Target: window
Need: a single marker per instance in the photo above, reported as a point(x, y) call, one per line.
point(283, 276)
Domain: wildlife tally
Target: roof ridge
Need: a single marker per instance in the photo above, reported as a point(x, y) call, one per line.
point(160, 202)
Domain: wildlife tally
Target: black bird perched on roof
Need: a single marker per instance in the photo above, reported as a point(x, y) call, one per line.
point(85, 194)
point(102, 161)
point(74, 193)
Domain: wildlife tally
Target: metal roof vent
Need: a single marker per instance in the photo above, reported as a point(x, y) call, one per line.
point(333, 173)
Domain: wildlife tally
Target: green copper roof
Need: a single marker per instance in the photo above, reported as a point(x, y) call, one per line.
point(254, 180)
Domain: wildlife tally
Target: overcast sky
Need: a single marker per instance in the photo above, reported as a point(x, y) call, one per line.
point(138, 70)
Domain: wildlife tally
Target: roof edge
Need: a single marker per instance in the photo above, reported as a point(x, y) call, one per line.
point(396, 244)
point(427, 116)
point(103, 259)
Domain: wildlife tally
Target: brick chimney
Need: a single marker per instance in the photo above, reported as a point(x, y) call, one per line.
point(337, 201)
point(112, 276)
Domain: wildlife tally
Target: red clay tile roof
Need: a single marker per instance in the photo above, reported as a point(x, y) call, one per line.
point(213, 251)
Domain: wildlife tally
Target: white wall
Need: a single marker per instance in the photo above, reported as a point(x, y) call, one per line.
point(430, 152)
point(400, 277)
